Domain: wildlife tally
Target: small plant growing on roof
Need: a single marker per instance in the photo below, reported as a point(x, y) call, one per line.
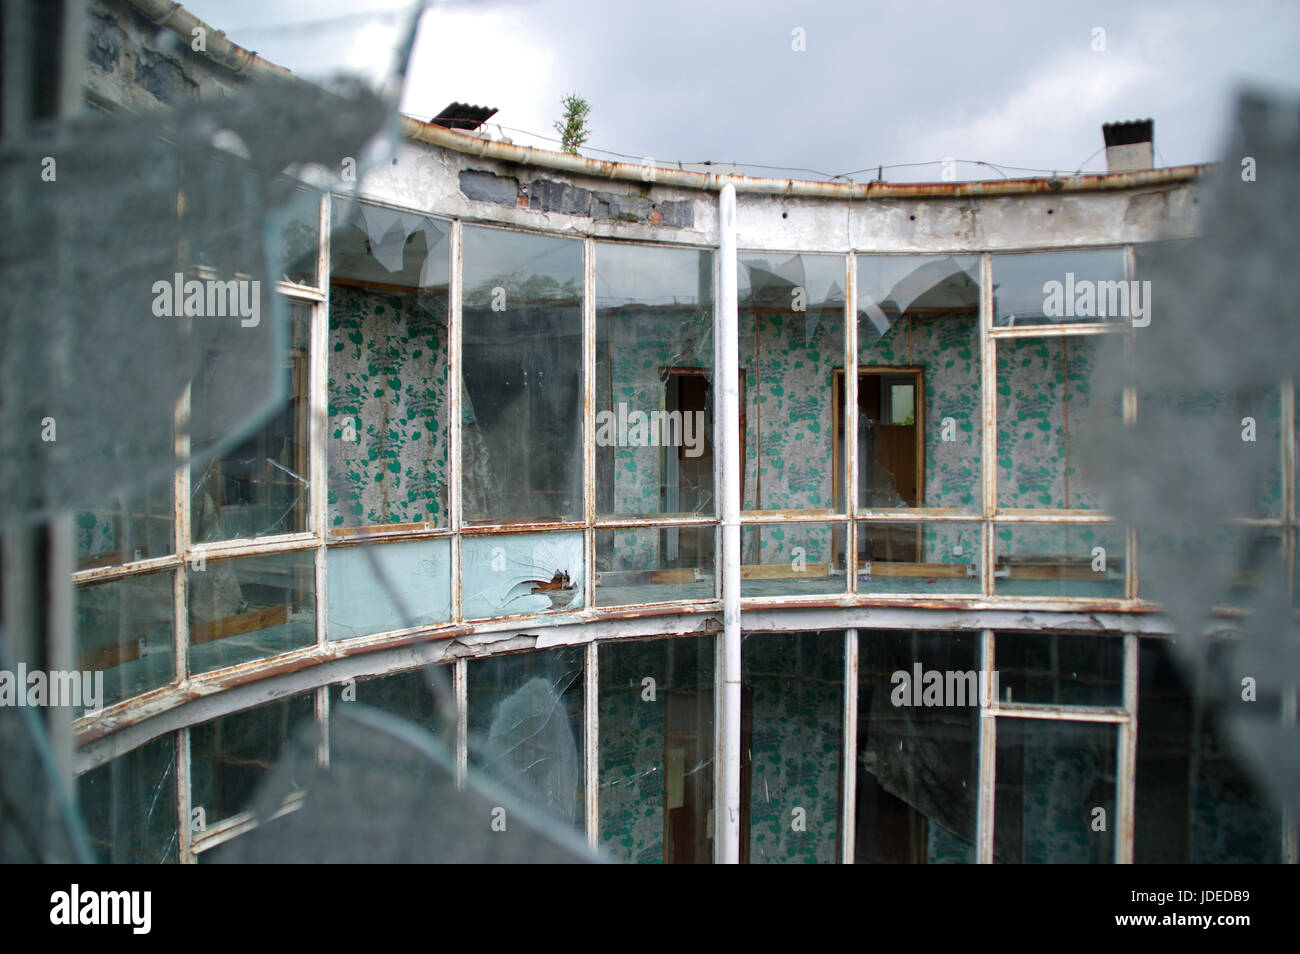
point(573, 128)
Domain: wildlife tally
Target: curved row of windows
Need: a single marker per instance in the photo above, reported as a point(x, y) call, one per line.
point(616, 744)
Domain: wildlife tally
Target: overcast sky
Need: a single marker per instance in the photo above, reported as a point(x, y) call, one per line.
point(1014, 84)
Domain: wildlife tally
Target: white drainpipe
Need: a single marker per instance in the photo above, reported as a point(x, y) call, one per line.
point(725, 340)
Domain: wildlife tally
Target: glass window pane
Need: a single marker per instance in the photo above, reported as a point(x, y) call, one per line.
point(525, 728)
point(379, 588)
point(654, 565)
point(919, 313)
point(929, 558)
point(522, 400)
point(918, 747)
point(1199, 800)
point(134, 526)
point(1055, 798)
point(792, 702)
point(656, 750)
point(654, 380)
point(297, 226)
point(125, 635)
point(791, 326)
point(250, 608)
point(129, 805)
point(1060, 669)
point(409, 695)
point(1050, 288)
point(1072, 560)
point(520, 574)
point(259, 487)
point(791, 559)
point(230, 756)
point(1049, 402)
point(388, 384)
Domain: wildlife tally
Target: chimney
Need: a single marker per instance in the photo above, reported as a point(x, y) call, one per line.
point(1129, 145)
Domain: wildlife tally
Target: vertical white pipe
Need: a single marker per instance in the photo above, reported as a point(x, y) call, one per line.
point(725, 338)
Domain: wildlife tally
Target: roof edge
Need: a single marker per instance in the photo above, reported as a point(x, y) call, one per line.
point(478, 147)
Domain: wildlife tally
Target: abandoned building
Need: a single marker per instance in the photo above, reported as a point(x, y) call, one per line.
point(741, 519)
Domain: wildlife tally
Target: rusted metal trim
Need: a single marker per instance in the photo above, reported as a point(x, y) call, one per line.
point(373, 534)
point(1126, 758)
point(790, 516)
point(419, 131)
point(591, 743)
point(1029, 710)
point(727, 820)
point(300, 293)
point(849, 752)
point(589, 426)
point(919, 515)
point(262, 546)
point(1059, 331)
point(184, 830)
point(1029, 515)
point(653, 522)
point(988, 422)
point(850, 436)
point(986, 796)
point(181, 536)
point(122, 571)
point(228, 829)
point(460, 685)
point(455, 350)
point(505, 529)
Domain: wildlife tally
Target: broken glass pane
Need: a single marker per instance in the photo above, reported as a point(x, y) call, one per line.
point(1050, 288)
point(654, 380)
point(791, 559)
point(521, 408)
point(125, 636)
point(656, 750)
point(654, 565)
point(790, 764)
point(525, 725)
point(144, 238)
point(380, 588)
point(130, 805)
point(918, 753)
point(231, 755)
point(388, 441)
point(250, 608)
point(521, 574)
point(260, 487)
point(918, 319)
point(389, 795)
point(791, 327)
